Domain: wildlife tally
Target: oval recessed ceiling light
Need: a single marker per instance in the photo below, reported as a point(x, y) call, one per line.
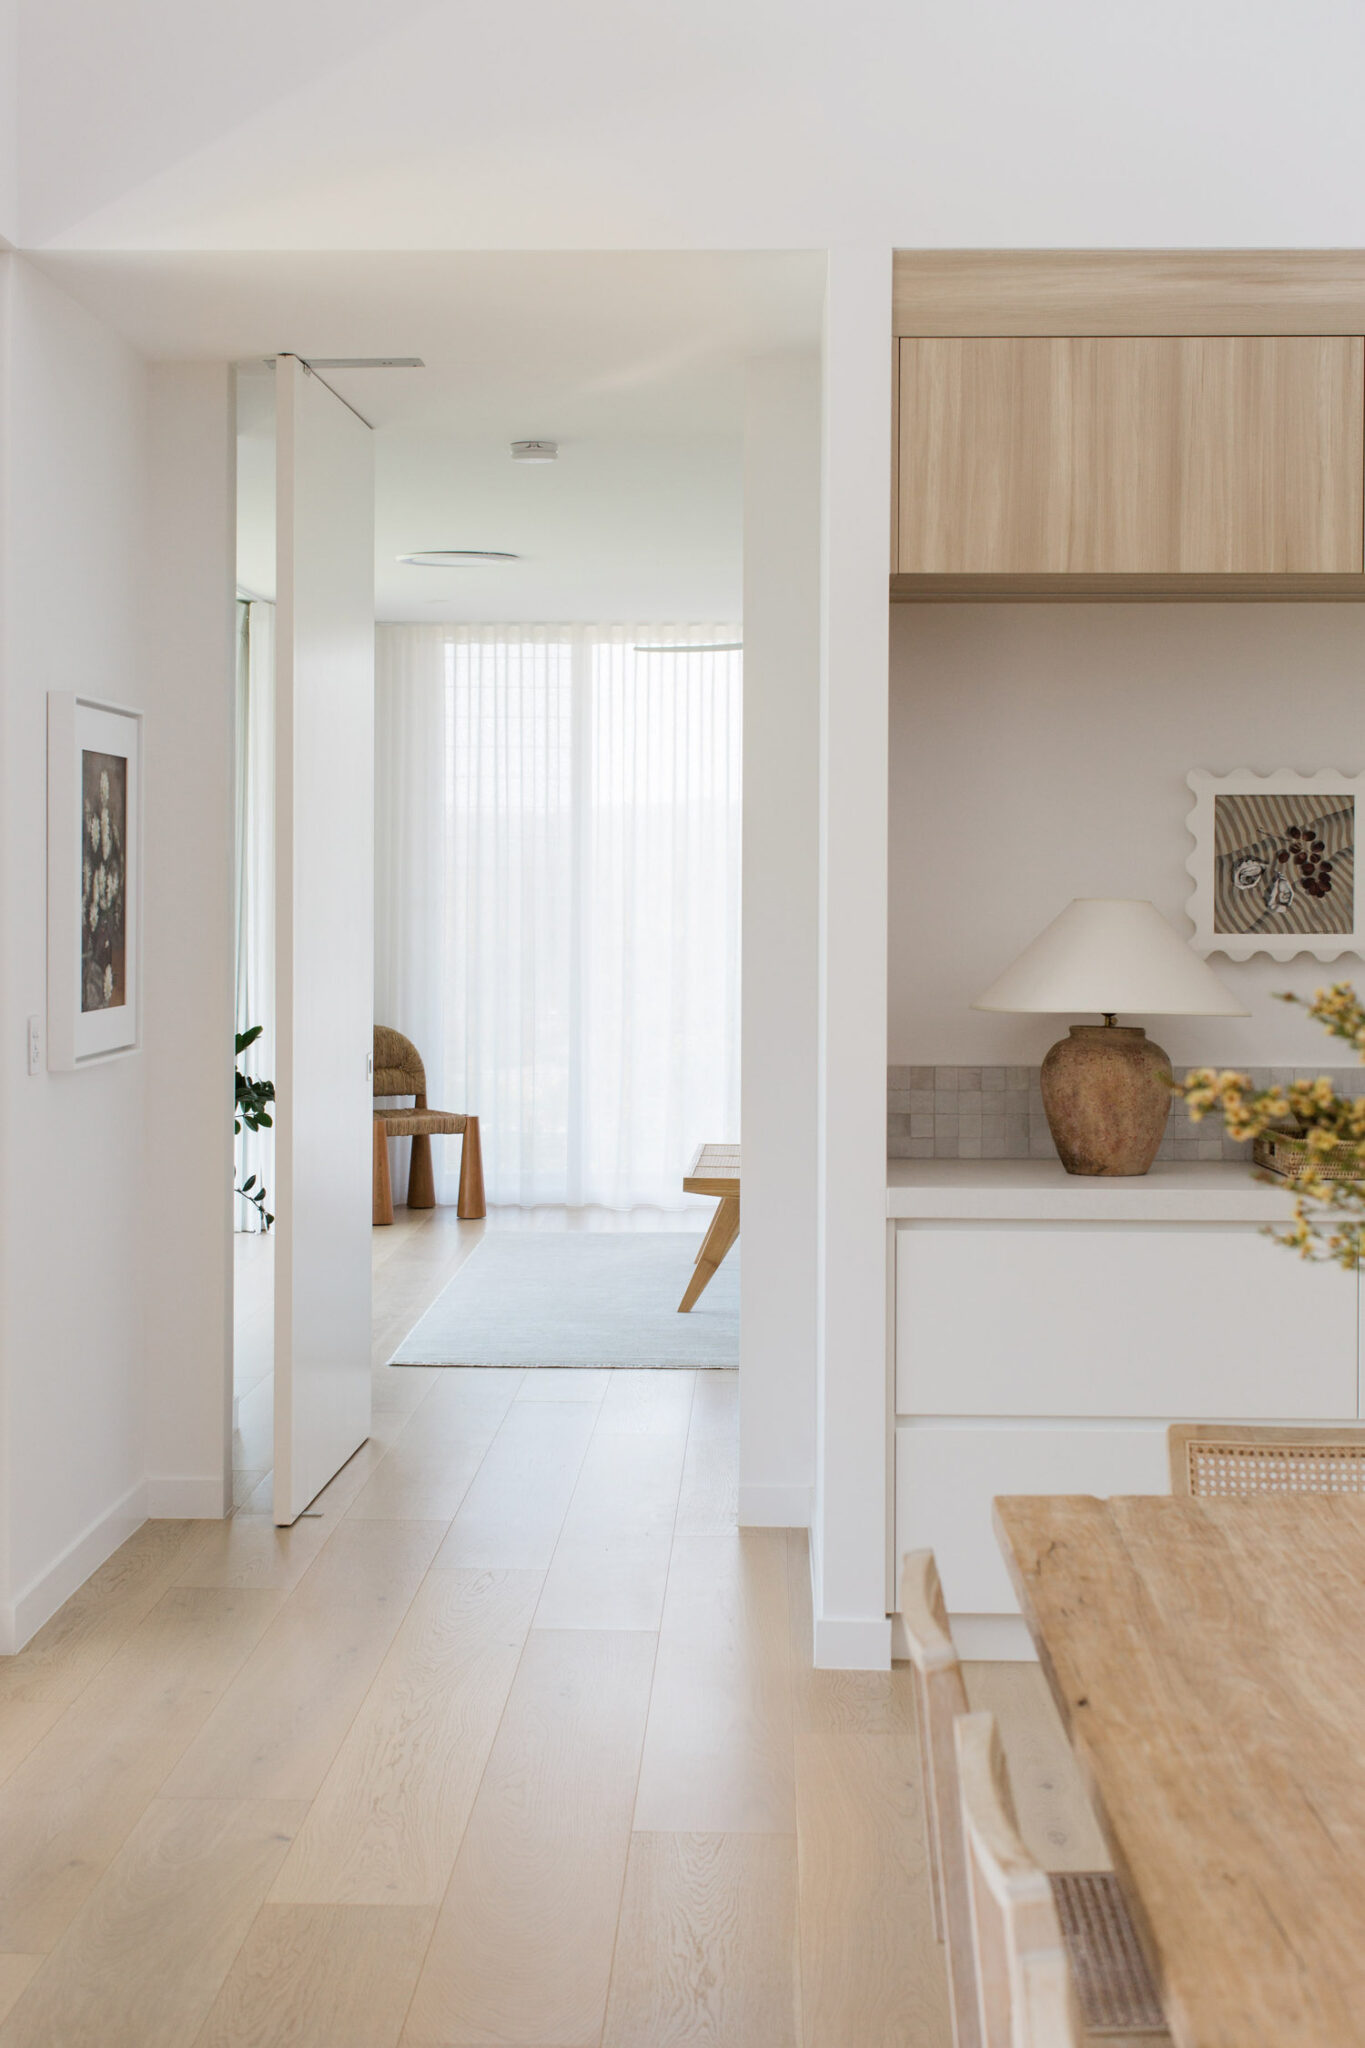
point(455, 558)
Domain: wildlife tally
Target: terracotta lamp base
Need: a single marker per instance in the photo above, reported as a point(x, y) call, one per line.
point(1107, 1093)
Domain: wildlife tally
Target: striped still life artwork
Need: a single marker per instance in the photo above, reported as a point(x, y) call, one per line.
point(1284, 864)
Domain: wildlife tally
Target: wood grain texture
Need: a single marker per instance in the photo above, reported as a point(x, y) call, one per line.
point(321, 1977)
point(707, 1951)
point(1206, 1657)
point(1137, 455)
point(1109, 589)
point(827, 1702)
point(99, 1618)
point(387, 1823)
point(880, 1980)
point(68, 1808)
point(523, 1948)
point(15, 1974)
point(511, 1517)
point(708, 1499)
point(1128, 291)
point(1056, 1819)
point(274, 1733)
point(142, 1962)
point(718, 1751)
point(610, 1565)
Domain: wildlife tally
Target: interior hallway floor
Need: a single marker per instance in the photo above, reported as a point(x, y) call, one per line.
point(516, 1741)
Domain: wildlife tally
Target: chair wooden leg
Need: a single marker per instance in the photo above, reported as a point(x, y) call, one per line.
point(471, 1203)
point(383, 1190)
point(716, 1243)
point(421, 1179)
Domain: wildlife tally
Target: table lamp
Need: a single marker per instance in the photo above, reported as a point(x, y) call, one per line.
point(1107, 1087)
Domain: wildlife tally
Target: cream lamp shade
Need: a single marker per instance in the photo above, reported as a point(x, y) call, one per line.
point(1110, 953)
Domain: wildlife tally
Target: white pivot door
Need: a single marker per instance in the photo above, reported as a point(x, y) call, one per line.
point(324, 989)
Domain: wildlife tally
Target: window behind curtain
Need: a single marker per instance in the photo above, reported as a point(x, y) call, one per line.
point(558, 906)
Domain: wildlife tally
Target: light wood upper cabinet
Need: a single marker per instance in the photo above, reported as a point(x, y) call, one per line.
point(1142, 455)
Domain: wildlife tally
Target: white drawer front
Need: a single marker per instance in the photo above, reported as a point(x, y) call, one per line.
point(947, 1478)
point(1190, 1320)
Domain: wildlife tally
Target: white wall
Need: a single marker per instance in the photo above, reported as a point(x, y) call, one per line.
point(114, 1204)
point(73, 1231)
point(779, 1049)
point(1039, 752)
point(188, 680)
point(849, 1527)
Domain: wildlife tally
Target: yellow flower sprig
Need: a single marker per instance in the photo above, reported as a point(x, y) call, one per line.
point(1329, 1214)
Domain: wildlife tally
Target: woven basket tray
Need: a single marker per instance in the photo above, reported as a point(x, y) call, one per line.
point(1282, 1153)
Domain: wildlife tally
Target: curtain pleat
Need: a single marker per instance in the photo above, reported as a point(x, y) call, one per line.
point(557, 897)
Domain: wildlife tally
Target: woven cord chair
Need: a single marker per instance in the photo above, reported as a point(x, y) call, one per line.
point(1114, 1989)
point(398, 1070)
point(1227, 1461)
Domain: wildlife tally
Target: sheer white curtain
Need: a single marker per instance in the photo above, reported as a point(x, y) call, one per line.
point(557, 896)
point(255, 1001)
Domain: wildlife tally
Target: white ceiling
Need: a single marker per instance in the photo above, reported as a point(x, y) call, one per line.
point(633, 363)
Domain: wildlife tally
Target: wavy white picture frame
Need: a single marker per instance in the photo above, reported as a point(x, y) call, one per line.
point(1206, 786)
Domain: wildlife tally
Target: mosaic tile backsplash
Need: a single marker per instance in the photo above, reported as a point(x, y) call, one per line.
point(997, 1113)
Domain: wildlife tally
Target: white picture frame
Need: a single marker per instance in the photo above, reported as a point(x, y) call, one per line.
point(1274, 863)
point(94, 880)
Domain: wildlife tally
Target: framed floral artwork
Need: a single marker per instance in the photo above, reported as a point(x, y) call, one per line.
point(94, 858)
point(1274, 863)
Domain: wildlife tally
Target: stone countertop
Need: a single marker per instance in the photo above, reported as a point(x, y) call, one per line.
point(1042, 1191)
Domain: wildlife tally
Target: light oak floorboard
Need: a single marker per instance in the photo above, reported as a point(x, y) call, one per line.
point(565, 1383)
point(707, 1951)
point(15, 1972)
point(321, 1977)
point(708, 1502)
point(98, 1619)
point(72, 1803)
point(23, 1724)
point(872, 1973)
point(142, 1962)
point(513, 1512)
point(718, 1751)
point(386, 1826)
point(523, 1948)
point(277, 1728)
point(610, 1565)
point(249, 1550)
point(648, 1401)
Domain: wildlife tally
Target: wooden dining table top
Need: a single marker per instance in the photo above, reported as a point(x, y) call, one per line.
point(1208, 1661)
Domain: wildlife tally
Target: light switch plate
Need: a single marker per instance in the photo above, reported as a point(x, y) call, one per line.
point(35, 1045)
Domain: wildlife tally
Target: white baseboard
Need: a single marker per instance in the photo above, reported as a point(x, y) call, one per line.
point(194, 1499)
point(992, 1638)
point(774, 1507)
point(853, 1643)
point(43, 1595)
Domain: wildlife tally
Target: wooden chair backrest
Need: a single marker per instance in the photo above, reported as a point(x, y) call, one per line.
point(940, 1697)
point(1026, 1998)
point(1214, 1460)
point(398, 1068)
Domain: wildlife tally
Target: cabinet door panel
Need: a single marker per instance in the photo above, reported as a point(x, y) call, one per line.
point(1229, 454)
point(947, 1477)
point(1107, 1320)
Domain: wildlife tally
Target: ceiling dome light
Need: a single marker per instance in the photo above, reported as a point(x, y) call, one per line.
point(455, 558)
point(535, 451)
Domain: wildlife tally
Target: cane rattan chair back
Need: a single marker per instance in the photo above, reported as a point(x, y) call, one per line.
point(1212, 1460)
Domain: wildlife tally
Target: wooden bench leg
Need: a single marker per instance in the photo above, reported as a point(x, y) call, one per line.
point(421, 1179)
point(471, 1203)
point(383, 1190)
point(716, 1243)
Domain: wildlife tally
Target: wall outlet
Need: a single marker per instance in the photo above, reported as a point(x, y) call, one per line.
point(35, 1045)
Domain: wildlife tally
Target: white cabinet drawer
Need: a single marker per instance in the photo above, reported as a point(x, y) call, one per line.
point(948, 1475)
point(1190, 1320)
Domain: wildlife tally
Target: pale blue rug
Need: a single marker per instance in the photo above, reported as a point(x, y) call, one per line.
point(562, 1298)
